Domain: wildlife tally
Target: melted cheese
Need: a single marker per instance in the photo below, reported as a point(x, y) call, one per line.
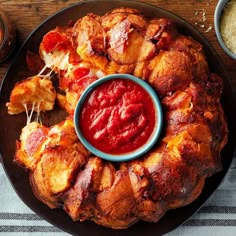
point(57, 60)
point(32, 94)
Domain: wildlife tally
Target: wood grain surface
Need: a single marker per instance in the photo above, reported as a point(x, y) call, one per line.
point(27, 14)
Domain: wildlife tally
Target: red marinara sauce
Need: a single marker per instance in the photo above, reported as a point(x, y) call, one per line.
point(118, 117)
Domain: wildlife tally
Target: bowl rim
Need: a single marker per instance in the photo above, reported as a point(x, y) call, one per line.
point(217, 17)
point(137, 152)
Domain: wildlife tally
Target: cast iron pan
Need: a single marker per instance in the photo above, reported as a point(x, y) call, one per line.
point(10, 126)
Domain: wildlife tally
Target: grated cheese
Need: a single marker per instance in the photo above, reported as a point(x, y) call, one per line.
point(228, 25)
point(200, 19)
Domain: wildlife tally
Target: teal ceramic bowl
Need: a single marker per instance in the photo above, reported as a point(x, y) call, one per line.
point(217, 18)
point(137, 152)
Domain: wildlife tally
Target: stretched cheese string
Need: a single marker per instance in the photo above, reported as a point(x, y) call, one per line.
point(38, 119)
point(29, 114)
point(49, 75)
point(43, 69)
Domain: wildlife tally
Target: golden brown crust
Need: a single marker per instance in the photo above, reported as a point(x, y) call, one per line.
point(31, 139)
point(61, 157)
point(173, 173)
point(34, 93)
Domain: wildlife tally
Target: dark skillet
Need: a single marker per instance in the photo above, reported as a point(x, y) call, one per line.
point(10, 126)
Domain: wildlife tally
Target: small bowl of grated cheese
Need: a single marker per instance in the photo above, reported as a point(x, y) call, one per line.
point(225, 26)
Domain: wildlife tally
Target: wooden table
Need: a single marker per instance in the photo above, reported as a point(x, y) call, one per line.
point(27, 14)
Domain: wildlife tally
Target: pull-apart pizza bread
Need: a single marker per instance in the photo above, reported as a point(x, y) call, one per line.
point(63, 174)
